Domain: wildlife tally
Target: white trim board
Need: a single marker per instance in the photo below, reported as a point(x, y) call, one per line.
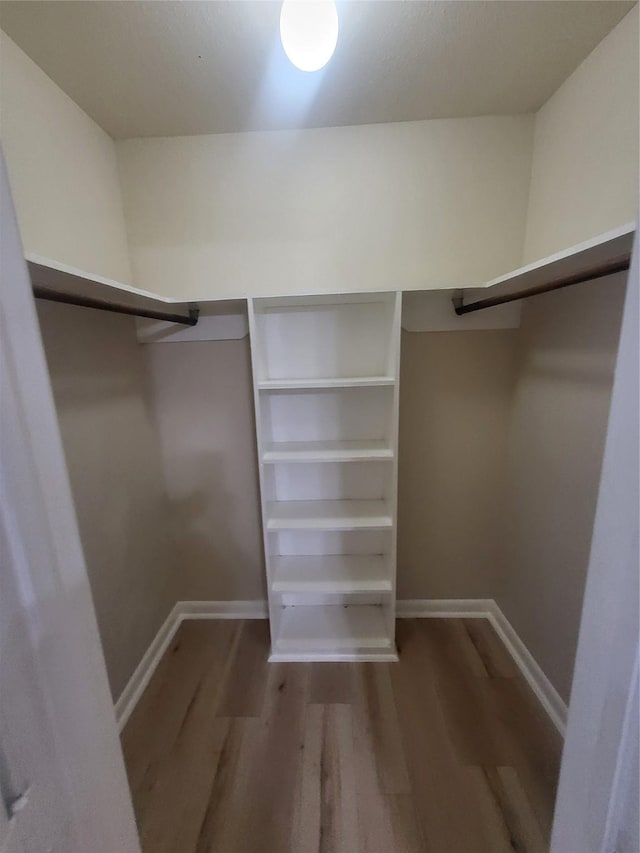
point(460, 608)
point(256, 609)
point(549, 698)
point(433, 311)
point(444, 608)
point(335, 657)
point(141, 676)
point(229, 326)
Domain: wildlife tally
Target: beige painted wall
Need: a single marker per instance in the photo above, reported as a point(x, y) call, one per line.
point(328, 210)
point(584, 178)
point(566, 357)
point(204, 409)
point(63, 172)
point(101, 390)
point(455, 393)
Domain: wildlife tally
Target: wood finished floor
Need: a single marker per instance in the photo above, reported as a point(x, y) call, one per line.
point(446, 751)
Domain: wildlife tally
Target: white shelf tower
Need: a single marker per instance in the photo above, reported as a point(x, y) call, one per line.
point(325, 375)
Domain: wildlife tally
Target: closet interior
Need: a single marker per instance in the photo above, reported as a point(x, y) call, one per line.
point(333, 378)
point(324, 374)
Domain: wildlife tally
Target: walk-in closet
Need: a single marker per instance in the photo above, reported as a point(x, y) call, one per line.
point(335, 357)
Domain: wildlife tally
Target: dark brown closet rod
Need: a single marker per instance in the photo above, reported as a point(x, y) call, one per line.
point(88, 302)
point(618, 265)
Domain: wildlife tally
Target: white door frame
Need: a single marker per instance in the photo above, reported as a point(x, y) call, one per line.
point(601, 728)
point(47, 565)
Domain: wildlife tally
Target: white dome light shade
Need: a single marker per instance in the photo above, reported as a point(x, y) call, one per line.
point(309, 32)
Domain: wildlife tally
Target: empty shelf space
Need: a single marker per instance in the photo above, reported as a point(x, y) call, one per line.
point(339, 573)
point(328, 382)
point(326, 451)
point(328, 515)
point(332, 632)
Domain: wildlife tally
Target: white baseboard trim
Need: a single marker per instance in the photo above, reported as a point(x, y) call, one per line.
point(134, 688)
point(444, 608)
point(336, 657)
point(548, 696)
point(461, 608)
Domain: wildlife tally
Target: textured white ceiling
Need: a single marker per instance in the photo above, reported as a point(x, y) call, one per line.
point(171, 68)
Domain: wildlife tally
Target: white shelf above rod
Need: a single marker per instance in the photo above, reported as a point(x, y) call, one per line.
point(602, 256)
point(590, 274)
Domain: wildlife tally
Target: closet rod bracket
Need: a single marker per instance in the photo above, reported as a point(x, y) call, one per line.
point(458, 301)
point(194, 313)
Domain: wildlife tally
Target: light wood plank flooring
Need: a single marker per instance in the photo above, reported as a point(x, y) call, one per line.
point(446, 751)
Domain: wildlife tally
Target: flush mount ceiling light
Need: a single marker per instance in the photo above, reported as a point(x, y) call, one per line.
point(309, 32)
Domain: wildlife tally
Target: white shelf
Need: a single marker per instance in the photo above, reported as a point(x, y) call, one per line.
point(52, 275)
point(326, 451)
point(336, 573)
point(328, 515)
point(598, 251)
point(48, 272)
point(336, 382)
point(333, 632)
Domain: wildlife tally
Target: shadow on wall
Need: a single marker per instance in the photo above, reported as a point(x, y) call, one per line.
point(214, 553)
point(202, 396)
